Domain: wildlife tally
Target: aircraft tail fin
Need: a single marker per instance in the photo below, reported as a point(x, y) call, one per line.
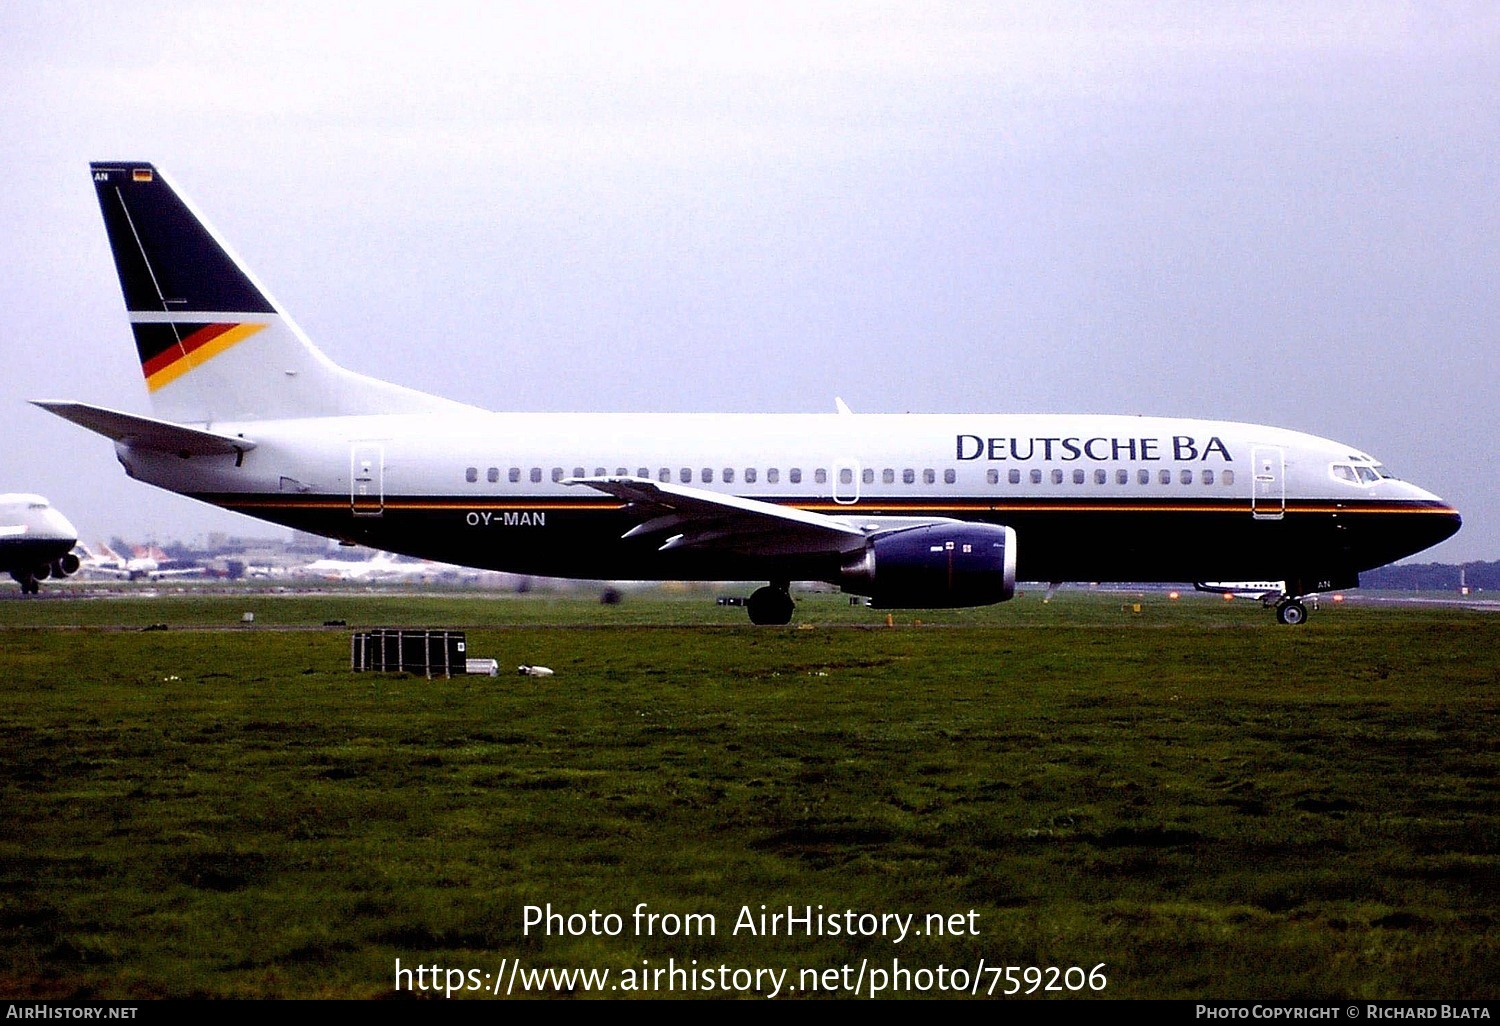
point(213, 344)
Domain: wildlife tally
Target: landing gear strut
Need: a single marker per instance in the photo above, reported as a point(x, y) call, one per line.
point(771, 605)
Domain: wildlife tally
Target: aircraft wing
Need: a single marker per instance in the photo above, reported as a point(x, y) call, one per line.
point(145, 433)
point(185, 571)
point(693, 518)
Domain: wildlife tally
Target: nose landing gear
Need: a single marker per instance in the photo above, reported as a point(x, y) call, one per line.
point(1291, 612)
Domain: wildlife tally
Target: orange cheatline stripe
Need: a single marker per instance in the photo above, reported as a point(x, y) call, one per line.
point(521, 502)
point(197, 349)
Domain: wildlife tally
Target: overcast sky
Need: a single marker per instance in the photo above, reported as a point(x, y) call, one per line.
point(1278, 213)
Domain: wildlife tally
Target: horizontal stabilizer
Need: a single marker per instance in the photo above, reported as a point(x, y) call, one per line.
point(145, 433)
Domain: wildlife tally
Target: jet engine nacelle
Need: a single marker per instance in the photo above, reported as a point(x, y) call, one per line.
point(65, 565)
point(935, 566)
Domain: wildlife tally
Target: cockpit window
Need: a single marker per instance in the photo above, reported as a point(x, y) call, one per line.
point(1359, 473)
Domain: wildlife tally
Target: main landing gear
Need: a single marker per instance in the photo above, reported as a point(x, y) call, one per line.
point(771, 605)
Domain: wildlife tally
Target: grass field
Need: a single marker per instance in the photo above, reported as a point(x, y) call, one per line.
point(1207, 804)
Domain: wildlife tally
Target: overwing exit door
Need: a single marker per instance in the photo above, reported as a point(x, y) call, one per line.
point(846, 482)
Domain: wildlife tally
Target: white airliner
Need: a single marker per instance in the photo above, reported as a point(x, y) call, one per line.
point(145, 564)
point(36, 541)
point(379, 567)
point(911, 511)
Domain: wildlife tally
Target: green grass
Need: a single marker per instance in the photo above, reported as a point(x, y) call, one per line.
point(1209, 804)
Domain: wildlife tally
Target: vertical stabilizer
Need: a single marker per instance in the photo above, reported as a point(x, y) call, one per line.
point(213, 345)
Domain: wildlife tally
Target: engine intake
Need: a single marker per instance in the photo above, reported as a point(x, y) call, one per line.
point(935, 566)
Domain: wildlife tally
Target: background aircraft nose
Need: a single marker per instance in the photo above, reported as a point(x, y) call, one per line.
point(58, 526)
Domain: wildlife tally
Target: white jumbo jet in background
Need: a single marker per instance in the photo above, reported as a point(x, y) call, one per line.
point(36, 541)
point(146, 564)
point(380, 567)
point(911, 511)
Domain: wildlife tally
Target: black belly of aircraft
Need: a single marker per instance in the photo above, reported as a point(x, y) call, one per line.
point(24, 556)
point(1109, 541)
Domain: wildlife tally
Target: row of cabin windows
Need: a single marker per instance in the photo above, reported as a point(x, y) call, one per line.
point(867, 476)
point(1121, 476)
point(727, 475)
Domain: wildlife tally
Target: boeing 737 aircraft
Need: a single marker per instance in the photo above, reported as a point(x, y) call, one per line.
point(910, 511)
point(36, 541)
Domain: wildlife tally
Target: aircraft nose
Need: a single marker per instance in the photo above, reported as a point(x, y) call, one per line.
point(1447, 525)
point(59, 526)
point(1437, 522)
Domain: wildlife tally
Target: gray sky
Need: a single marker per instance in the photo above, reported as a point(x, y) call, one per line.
point(1279, 213)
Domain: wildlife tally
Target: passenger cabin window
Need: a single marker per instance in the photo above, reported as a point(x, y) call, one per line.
point(1208, 477)
point(773, 475)
point(515, 475)
point(643, 472)
point(471, 475)
point(887, 476)
point(1187, 477)
point(1143, 477)
point(1057, 477)
point(492, 475)
point(536, 475)
point(1036, 477)
point(557, 474)
point(685, 475)
point(820, 476)
point(794, 475)
point(1165, 477)
point(908, 476)
point(664, 475)
point(867, 475)
point(599, 472)
point(706, 475)
point(729, 475)
point(1078, 477)
point(1101, 477)
point(749, 475)
point(949, 476)
point(578, 472)
point(992, 476)
point(1015, 476)
point(846, 475)
point(928, 477)
point(1227, 477)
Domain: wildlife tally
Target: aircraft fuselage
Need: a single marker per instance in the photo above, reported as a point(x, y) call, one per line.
point(1094, 498)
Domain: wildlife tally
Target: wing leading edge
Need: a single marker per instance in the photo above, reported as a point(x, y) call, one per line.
point(686, 518)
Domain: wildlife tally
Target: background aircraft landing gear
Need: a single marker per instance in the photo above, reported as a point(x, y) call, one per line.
point(1290, 611)
point(771, 605)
